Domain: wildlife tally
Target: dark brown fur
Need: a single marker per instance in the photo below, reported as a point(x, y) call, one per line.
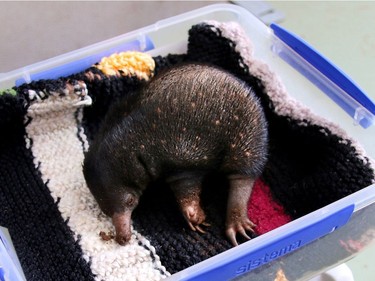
point(188, 121)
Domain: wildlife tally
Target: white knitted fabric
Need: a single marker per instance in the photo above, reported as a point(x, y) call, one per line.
point(57, 143)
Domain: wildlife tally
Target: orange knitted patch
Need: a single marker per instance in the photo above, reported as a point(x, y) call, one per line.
point(129, 63)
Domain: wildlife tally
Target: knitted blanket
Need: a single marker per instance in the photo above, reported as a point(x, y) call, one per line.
point(57, 227)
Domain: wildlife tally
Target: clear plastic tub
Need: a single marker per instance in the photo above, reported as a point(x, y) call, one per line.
point(304, 236)
point(10, 268)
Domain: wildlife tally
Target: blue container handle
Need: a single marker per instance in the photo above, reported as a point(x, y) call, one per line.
point(324, 66)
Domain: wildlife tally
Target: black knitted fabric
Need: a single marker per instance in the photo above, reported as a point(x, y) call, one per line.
point(309, 167)
point(43, 241)
point(159, 219)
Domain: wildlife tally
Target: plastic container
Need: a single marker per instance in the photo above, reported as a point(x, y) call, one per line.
point(298, 65)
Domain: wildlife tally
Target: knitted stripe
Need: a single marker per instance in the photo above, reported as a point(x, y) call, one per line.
point(42, 239)
point(264, 211)
point(58, 152)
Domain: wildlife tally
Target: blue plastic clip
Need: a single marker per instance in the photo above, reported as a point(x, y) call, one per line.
point(84, 63)
point(10, 268)
point(330, 71)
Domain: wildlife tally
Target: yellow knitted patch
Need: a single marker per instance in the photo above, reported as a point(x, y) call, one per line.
point(128, 64)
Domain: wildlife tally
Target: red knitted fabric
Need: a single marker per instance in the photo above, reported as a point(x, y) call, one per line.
point(264, 211)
